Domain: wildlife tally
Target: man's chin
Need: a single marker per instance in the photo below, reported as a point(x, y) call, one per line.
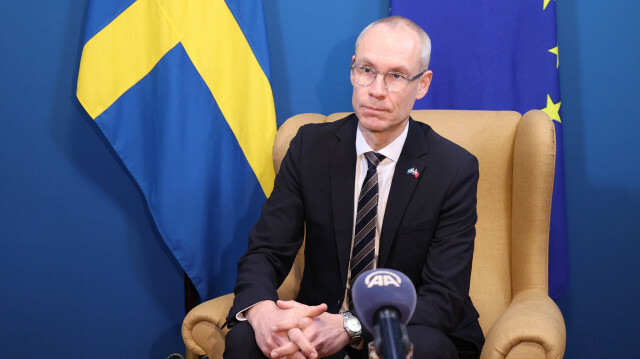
point(372, 124)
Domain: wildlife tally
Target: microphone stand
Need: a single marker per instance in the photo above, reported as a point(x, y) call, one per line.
point(391, 337)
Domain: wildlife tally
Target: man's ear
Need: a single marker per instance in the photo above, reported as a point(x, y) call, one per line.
point(353, 61)
point(425, 82)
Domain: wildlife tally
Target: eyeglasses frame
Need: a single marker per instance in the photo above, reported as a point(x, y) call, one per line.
point(376, 73)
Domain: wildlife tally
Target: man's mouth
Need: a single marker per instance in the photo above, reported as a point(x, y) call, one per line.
point(373, 109)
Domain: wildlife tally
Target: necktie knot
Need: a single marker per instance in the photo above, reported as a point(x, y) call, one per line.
point(373, 159)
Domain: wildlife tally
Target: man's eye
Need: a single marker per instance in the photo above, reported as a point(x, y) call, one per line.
point(397, 76)
point(367, 69)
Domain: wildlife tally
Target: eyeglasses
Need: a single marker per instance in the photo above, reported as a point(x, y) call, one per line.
point(393, 81)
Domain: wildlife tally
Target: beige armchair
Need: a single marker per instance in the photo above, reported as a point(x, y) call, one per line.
point(509, 278)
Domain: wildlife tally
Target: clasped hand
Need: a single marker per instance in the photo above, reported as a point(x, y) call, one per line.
point(288, 329)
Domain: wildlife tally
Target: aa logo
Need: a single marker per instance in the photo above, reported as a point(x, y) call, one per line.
point(382, 279)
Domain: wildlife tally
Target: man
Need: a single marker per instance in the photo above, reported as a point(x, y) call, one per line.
point(375, 189)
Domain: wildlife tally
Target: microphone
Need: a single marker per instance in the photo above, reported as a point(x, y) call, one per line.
point(385, 300)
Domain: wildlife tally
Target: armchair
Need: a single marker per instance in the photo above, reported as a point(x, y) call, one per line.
point(509, 283)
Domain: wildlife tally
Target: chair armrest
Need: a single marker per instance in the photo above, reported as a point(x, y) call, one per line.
point(532, 322)
point(201, 327)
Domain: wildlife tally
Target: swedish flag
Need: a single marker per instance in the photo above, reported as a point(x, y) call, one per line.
point(499, 55)
point(181, 90)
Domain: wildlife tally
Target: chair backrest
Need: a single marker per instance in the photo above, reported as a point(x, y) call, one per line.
point(516, 155)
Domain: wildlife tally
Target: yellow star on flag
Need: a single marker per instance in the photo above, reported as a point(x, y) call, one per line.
point(552, 109)
point(546, 2)
point(555, 51)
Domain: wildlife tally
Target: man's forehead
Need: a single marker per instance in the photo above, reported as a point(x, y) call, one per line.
point(387, 43)
point(397, 29)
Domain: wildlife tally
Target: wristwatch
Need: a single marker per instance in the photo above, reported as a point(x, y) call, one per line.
point(353, 327)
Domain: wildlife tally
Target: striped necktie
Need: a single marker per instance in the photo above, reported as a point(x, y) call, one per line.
point(362, 257)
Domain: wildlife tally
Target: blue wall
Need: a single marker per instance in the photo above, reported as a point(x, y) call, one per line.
point(599, 77)
point(83, 273)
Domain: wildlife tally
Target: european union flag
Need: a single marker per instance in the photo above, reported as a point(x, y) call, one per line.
point(499, 55)
point(181, 91)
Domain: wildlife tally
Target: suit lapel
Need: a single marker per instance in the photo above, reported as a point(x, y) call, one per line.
point(402, 187)
point(343, 164)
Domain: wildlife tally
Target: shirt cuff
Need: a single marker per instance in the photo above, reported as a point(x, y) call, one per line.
point(240, 316)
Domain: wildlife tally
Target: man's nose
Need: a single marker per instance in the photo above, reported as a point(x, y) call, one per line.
point(378, 88)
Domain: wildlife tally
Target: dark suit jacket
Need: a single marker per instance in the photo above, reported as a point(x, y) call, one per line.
point(427, 232)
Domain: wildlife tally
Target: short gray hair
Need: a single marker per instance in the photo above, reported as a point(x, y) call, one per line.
point(394, 21)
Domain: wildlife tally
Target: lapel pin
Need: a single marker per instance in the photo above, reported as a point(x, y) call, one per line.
point(413, 171)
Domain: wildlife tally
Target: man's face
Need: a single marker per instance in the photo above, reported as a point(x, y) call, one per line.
point(380, 111)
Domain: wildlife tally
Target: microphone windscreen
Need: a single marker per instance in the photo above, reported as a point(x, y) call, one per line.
point(378, 288)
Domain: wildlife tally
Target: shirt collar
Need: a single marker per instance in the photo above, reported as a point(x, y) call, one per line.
point(391, 151)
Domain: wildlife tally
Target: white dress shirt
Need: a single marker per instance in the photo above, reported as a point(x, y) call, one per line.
point(385, 169)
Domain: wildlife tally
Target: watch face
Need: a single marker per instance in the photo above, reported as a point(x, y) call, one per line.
point(354, 326)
